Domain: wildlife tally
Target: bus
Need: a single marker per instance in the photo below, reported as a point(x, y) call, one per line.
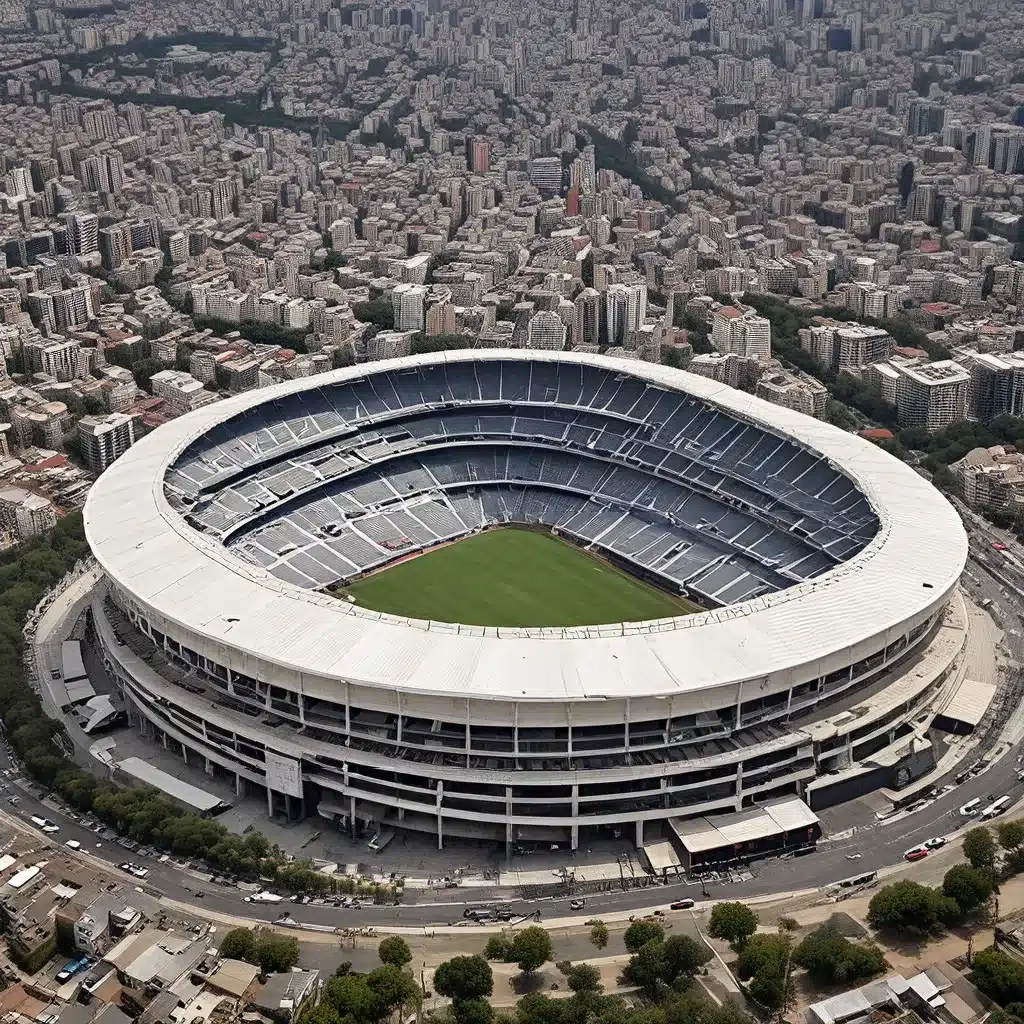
point(995, 808)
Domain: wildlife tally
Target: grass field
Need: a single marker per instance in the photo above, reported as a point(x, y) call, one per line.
point(513, 577)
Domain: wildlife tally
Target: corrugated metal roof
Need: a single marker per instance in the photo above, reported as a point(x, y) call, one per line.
point(698, 835)
point(905, 573)
point(970, 702)
point(169, 784)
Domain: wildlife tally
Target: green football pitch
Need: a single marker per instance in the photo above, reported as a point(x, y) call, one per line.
point(513, 577)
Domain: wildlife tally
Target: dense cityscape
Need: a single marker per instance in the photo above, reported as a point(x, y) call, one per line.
point(511, 515)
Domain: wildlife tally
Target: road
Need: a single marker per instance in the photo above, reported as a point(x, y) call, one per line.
point(879, 845)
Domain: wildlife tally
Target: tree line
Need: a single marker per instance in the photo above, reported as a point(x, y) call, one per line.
point(27, 572)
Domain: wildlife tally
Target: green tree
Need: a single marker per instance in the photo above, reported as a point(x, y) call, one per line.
point(499, 947)
point(598, 934)
point(394, 950)
point(970, 887)
point(581, 977)
point(764, 962)
point(907, 908)
point(239, 944)
point(646, 967)
point(352, 998)
point(683, 957)
point(1011, 835)
point(276, 953)
point(830, 958)
point(143, 370)
point(392, 987)
point(733, 922)
point(980, 847)
point(464, 977)
point(531, 948)
point(639, 933)
point(999, 976)
point(472, 1011)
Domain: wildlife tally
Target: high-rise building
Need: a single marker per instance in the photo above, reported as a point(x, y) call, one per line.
point(105, 438)
point(932, 395)
point(83, 233)
point(546, 174)
point(479, 155)
point(625, 310)
point(741, 332)
point(546, 330)
point(586, 319)
point(407, 300)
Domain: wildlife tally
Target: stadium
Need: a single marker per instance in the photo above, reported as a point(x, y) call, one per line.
point(528, 597)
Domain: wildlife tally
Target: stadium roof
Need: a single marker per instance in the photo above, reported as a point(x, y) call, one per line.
point(909, 568)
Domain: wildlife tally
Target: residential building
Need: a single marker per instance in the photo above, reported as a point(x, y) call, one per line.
point(932, 395)
point(105, 438)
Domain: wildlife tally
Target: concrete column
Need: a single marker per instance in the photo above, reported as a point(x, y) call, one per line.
point(239, 785)
point(184, 753)
point(574, 840)
point(440, 831)
point(639, 833)
point(208, 767)
point(163, 737)
point(270, 802)
point(508, 843)
point(352, 816)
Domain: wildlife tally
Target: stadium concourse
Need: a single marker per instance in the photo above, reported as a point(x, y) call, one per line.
point(826, 572)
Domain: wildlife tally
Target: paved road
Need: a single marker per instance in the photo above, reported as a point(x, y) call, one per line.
point(879, 844)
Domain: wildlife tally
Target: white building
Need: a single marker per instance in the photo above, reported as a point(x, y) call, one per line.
point(741, 332)
point(105, 438)
point(932, 395)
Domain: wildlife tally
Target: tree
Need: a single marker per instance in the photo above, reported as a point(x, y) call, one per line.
point(499, 947)
point(970, 887)
point(276, 953)
point(683, 957)
point(472, 1011)
point(830, 958)
point(143, 370)
point(1011, 835)
point(639, 933)
point(906, 907)
point(999, 976)
point(764, 961)
point(394, 950)
point(239, 944)
point(530, 948)
point(464, 977)
point(980, 847)
point(581, 977)
point(392, 987)
point(352, 998)
point(598, 934)
point(733, 922)
point(646, 967)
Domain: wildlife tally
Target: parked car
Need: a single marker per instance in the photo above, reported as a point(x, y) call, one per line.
point(73, 844)
point(682, 904)
point(916, 853)
point(937, 843)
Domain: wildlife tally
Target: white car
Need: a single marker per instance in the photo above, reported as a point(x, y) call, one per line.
point(73, 844)
point(45, 824)
point(134, 869)
point(937, 843)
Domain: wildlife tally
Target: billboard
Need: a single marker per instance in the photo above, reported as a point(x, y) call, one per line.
point(284, 774)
